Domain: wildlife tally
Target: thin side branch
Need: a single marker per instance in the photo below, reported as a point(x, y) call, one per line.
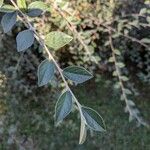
point(122, 87)
point(109, 28)
point(74, 31)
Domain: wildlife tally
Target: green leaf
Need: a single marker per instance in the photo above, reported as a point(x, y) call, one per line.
point(34, 12)
point(77, 74)
point(148, 19)
point(115, 73)
point(22, 4)
point(130, 103)
point(127, 91)
point(124, 78)
point(57, 39)
point(143, 11)
point(117, 52)
point(7, 8)
point(36, 8)
point(83, 132)
point(120, 64)
point(38, 5)
point(25, 39)
point(63, 106)
point(1, 2)
point(111, 59)
point(46, 72)
point(8, 21)
point(93, 119)
point(146, 40)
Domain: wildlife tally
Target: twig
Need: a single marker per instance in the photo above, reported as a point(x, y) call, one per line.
point(74, 31)
point(50, 57)
point(127, 36)
point(98, 23)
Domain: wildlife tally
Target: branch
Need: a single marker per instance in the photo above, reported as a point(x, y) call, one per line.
point(74, 31)
point(98, 23)
point(129, 108)
point(27, 23)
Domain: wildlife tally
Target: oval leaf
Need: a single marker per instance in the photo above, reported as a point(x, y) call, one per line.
point(77, 74)
point(38, 5)
point(36, 8)
point(45, 72)
point(93, 119)
point(8, 21)
point(7, 8)
point(1, 2)
point(25, 39)
point(57, 39)
point(34, 12)
point(22, 4)
point(63, 106)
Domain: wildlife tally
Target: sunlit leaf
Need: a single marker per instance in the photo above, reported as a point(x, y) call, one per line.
point(1, 2)
point(57, 39)
point(22, 4)
point(120, 64)
point(7, 8)
point(38, 5)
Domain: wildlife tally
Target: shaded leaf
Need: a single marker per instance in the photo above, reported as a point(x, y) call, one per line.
point(63, 106)
point(57, 39)
point(77, 74)
point(8, 21)
point(34, 12)
point(130, 103)
point(127, 91)
point(25, 39)
point(93, 119)
point(46, 72)
point(36, 8)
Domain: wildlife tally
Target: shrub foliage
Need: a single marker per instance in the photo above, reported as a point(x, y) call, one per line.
point(95, 35)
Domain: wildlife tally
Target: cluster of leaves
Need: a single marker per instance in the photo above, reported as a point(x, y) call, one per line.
point(90, 119)
point(100, 24)
point(91, 26)
point(138, 56)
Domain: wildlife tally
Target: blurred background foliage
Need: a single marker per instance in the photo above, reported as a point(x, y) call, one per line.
point(26, 111)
